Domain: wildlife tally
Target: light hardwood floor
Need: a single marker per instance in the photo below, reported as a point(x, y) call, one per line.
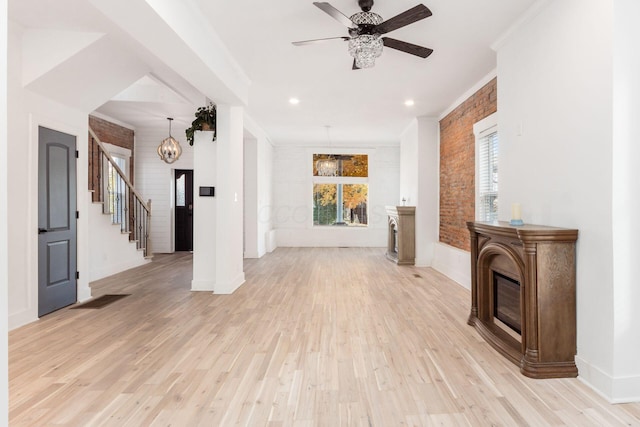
point(315, 337)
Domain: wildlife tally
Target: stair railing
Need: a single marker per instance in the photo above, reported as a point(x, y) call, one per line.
point(114, 190)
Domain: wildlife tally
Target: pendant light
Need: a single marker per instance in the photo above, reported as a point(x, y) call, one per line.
point(329, 165)
point(169, 150)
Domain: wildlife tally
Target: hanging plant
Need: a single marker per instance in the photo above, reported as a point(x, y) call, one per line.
point(205, 120)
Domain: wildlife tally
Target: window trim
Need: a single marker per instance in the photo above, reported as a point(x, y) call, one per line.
point(482, 129)
point(123, 153)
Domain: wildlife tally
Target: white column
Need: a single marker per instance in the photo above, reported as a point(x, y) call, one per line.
point(229, 195)
point(625, 202)
point(204, 212)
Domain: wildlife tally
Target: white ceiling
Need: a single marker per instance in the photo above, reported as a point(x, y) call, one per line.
point(361, 105)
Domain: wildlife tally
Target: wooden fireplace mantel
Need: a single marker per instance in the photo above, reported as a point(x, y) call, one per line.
point(401, 242)
point(543, 260)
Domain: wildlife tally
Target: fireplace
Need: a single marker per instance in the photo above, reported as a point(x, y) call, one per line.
point(401, 234)
point(523, 283)
point(506, 301)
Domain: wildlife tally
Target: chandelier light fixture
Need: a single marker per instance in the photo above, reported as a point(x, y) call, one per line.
point(365, 48)
point(169, 149)
point(329, 165)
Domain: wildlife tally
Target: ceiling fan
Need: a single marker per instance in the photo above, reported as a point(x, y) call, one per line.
point(366, 29)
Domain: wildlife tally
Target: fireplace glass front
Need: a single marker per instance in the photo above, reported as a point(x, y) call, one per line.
point(506, 301)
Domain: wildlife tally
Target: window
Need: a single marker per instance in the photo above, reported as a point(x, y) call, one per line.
point(181, 191)
point(116, 187)
point(340, 189)
point(486, 132)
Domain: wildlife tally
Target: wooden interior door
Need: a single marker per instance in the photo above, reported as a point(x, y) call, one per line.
point(56, 220)
point(184, 210)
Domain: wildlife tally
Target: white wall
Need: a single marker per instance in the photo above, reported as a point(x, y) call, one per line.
point(419, 154)
point(154, 179)
point(557, 157)
point(292, 213)
point(251, 197)
point(28, 111)
point(110, 250)
point(4, 315)
point(258, 171)
point(626, 197)
point(265, 195)
point(409, 165)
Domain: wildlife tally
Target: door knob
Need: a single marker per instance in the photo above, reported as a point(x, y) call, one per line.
point(42, 230)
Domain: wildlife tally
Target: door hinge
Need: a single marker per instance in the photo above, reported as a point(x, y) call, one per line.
point(77, 214)
point(77, 154)
point(77, 274)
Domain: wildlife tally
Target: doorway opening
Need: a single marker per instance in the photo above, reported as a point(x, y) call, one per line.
point(183, 205)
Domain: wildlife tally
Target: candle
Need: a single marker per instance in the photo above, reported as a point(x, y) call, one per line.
point(516, 211)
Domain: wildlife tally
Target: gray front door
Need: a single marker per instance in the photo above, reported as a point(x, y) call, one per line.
point(56, 220)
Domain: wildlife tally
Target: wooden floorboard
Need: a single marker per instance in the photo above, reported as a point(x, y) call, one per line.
point(314, 337)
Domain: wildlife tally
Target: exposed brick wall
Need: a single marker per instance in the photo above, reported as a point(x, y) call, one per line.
point(112, 134)
point(457, 164)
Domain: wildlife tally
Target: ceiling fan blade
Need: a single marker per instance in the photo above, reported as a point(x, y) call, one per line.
point(405, 18)
point(304, 42)
point(413, 49)
point(335, 13)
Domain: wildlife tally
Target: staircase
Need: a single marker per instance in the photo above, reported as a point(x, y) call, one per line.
point(119, 221)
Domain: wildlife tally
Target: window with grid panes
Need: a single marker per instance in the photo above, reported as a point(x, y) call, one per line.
point(340, 198)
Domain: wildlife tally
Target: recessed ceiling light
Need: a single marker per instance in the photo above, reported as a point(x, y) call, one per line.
point(409, 103)
point(294, 101)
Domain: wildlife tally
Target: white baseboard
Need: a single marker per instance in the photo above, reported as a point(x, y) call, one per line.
point(626, 389)
point(84, 292)
point(203, 285)
point(29, 315)
point(613, 389)
point(22, 318)
point(230, 287)
point(251, 254)
point(110, 270)
point(453, 263)
point(270, 240)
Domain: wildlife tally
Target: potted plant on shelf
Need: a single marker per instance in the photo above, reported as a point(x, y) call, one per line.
point(205, 120)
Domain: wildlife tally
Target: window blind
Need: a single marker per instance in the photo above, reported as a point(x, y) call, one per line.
point(488, 177)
